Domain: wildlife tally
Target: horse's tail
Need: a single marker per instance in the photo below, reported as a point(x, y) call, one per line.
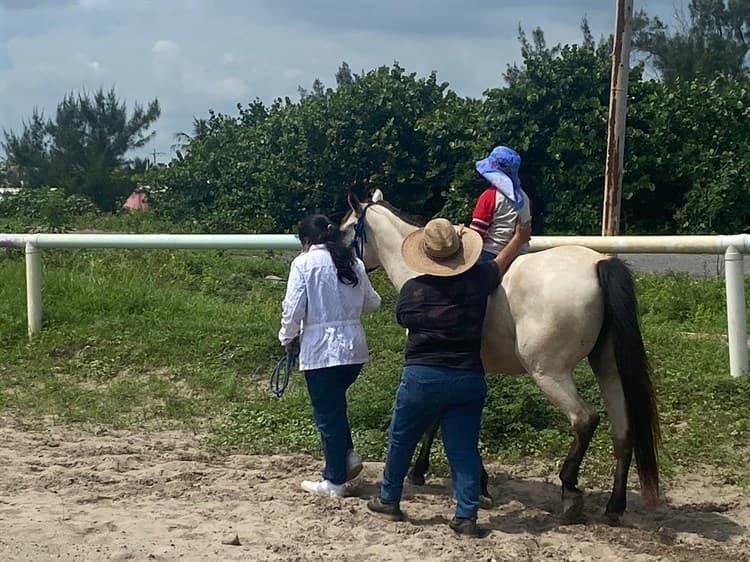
point(621, 326)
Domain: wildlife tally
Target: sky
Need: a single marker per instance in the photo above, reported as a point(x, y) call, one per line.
point(196, 55)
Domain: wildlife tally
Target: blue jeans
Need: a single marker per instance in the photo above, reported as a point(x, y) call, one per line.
point(456, 398)
point(486, 256)
point(327, 389)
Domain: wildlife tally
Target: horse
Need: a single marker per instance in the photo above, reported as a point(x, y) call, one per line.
point(553, 309)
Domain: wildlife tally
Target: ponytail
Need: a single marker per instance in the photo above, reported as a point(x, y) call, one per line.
point(318, 229)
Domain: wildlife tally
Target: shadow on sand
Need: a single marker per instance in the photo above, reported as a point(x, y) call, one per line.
point(533, 506)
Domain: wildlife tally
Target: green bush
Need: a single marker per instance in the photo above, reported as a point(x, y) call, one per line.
point(45, 209)
point(688, 302)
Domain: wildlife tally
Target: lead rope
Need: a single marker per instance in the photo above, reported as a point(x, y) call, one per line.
point(281, 374)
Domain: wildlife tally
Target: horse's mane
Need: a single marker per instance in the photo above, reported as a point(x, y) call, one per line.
point(409, 219)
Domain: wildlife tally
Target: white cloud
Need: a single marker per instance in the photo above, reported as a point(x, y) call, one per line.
point(291, 73)
point(228, 88)
point(31, 4)
point(199, 54)
point(166, 48)
point(92, 4)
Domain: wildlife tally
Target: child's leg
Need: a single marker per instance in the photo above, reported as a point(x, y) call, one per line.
point(486, 256)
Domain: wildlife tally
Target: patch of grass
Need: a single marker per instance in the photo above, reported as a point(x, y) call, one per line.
point(693, 304)
point(188, 339)
point(187, 336)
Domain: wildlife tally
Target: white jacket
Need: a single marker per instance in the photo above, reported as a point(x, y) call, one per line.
point(325, 312)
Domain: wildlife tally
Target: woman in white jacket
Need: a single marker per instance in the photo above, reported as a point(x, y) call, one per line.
point(327, 292)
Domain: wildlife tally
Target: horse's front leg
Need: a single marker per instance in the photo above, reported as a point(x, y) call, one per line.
point(422, 463)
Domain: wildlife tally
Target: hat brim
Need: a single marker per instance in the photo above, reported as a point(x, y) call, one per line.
point(412, 250)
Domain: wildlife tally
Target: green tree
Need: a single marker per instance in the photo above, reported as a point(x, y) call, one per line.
point(29, 152)
point(344, 74)
point(685, 164)
point(686, 161)
point(713, 39)
point(83, 149)
point(266, 167)
point(553, 110)
point(182, 139)
point(694, 148)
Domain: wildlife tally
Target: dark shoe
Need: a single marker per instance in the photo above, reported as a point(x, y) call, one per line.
point(386, 509)
point(464, 526)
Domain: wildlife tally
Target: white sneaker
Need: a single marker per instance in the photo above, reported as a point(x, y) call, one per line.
point(353, 464)
point(324, 488)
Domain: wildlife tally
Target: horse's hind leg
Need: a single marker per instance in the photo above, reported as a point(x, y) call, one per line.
point(485, 499)
point(602, 362)
point(561, 391)
point(422, 463)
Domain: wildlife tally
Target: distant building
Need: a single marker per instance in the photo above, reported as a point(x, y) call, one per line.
point(5, 191)
point(136, 201)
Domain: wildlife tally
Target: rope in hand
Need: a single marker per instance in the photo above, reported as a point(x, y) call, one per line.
point(281, 374)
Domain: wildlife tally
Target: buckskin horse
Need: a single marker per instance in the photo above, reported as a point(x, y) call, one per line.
point(553, 309)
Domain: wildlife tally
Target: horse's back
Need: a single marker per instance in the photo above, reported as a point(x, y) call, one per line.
point(547, 314)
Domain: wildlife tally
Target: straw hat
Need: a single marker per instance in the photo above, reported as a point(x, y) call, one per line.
point(442, 249)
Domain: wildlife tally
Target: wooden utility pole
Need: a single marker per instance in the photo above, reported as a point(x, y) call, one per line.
point(618, 103)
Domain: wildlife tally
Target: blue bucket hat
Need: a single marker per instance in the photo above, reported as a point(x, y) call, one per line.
point(500, 168)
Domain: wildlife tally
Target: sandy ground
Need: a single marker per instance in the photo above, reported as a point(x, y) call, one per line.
point(68, 495)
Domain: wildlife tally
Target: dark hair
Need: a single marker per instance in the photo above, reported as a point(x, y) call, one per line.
point(318, 229)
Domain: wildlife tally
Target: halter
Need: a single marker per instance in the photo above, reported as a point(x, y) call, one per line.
point(360, 236)
point(360, 233)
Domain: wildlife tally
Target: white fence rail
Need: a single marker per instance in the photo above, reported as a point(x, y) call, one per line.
point(732, 247)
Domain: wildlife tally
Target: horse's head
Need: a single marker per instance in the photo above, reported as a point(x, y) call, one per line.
point(377, 230)
point(354, 229)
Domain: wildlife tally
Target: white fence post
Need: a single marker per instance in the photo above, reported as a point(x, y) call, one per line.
point(734, 272)
point(33, 289)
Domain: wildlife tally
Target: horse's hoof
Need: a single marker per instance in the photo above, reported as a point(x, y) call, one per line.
point(572, 510)
point(486, 502)
point(613, 518)
point(416, 479)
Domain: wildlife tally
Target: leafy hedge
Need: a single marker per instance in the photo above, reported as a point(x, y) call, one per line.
point(44, 209)
point(261, 170)
point(417, 140)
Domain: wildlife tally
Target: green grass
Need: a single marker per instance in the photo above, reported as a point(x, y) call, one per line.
point(134, 336)
point(188, 339)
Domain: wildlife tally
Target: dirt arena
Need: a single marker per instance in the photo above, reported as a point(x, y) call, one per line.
point(66, 495)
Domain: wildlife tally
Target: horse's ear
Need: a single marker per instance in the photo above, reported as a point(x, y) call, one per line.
point(377, 196)
point(354, 203)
